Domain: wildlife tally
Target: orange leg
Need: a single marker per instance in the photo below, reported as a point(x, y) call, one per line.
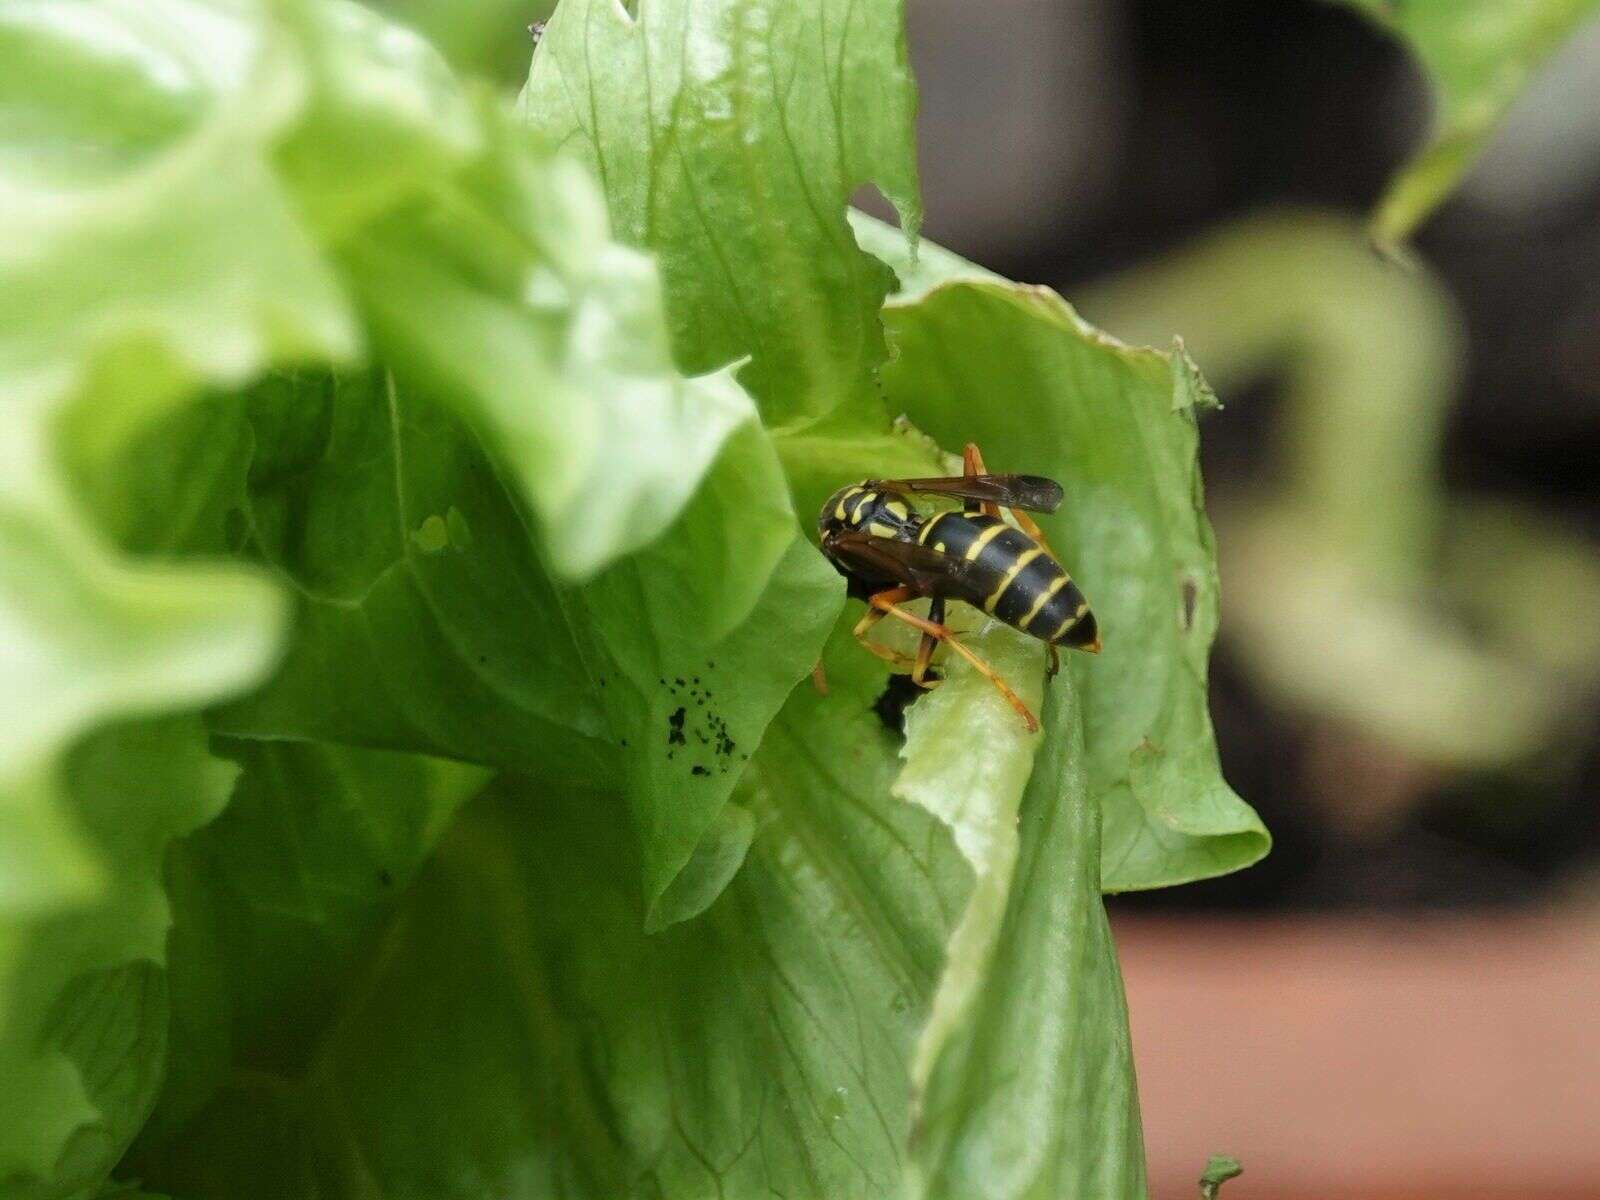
point(972, 461)
point(872, 616)
point(975, 466)
point(885, 603)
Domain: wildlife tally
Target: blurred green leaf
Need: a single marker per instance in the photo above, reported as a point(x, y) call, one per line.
point(569, 372)
point(152, 243)
point(1478, 54)
point(149, 246)
point(486, 37)
point(1356, 530)
point(1503, 560)
point(86, 1003)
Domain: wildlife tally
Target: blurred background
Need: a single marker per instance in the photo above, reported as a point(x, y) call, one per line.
point(1403, 1000)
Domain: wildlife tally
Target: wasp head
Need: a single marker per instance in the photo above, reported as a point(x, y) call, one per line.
point(867, 509)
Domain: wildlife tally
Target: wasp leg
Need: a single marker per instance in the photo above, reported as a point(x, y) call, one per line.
point(882, 602)
point(872, 616)
point(819, 679)
point(919, 674)
point(972, 462)
point(1054, 661)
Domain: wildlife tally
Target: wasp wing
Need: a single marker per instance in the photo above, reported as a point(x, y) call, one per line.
point(930, 571)
point(1034, 493)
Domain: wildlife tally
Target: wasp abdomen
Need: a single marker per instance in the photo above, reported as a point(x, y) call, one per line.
point(1014, 578)
point(1063, 617)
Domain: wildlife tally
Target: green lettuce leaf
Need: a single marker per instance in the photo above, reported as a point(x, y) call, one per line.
point(1033, 1094)
point(430, 622)
point(766, 1046)
point(1010, 1098)
point(197, 192)
point(86, 1015)
point(489, 274)
point(1016, 370)
point(976, 793)
point(728, 137)
point(497, 291)
point(128, 127)
point(276, 901)
point(846, 435)
point(570, 374)
point(760, 1047)
point(484, 37)
point(1478, 54)
point(149, 247)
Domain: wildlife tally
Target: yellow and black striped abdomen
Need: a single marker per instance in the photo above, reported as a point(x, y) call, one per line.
point(1011, 576)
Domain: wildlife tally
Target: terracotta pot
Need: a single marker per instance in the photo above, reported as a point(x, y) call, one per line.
point(1367, 1058)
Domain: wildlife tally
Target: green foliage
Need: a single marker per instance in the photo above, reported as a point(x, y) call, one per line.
point(542, 865)
point(1479, 54)
point(488, 37)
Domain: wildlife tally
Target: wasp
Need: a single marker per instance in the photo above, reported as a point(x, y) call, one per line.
point(890, 553)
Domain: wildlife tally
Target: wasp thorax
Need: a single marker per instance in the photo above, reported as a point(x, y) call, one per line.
point(867, 510)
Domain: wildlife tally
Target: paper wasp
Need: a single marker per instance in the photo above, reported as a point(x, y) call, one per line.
point(890, 553)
